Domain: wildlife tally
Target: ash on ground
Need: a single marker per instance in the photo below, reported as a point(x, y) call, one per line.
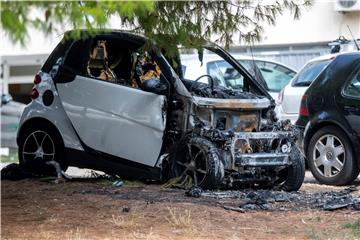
point(246, 200)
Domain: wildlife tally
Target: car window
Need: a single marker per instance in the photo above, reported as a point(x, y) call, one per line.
point(224, 74)
point(310, 72)
point(58, 52)
point(76, 57)
point(353, 87)
point(276, 76)
point(199, 68)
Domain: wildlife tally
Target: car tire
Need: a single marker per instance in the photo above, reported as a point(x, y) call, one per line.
point(38, 145)
point(294, 174)
point(330, 148)
point(200, 159)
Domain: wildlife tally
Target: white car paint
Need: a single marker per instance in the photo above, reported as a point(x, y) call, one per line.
point(112, 118)
point(289, 99)
point(194, 68)
point(55, 114)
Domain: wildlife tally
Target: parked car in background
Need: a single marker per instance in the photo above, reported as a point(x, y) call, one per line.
point(330, 118)
point(10, 117)
point(288, 101)
point(272, 75)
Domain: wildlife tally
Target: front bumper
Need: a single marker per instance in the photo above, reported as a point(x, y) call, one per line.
point(276, 149)
point(253, 149)
point(262, 160)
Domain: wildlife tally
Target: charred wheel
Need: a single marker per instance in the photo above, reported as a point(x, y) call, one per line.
point(292, 177)
point(38, 145)
point(199, 159)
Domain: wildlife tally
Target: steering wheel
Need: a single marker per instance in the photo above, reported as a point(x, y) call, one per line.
point(209, 77)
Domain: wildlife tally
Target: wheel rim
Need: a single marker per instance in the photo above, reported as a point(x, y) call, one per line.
point(329, 155)
point(195, 165)
point(38, 146)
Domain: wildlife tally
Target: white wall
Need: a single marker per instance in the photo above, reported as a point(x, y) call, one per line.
point(318, 24)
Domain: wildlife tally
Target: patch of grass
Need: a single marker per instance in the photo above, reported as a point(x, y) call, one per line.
point(127, 221)
point(145, 236)
point(104, 182)
point(12, 158)
point(355, 228)
point(132, 183)
point(333, 233)
point(180, 220)
point(76, 234)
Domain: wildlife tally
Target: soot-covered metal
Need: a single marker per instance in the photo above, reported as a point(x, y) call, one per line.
point(238, 140)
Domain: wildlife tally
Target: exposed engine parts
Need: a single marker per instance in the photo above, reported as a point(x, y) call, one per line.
point(253, 147)
point(205, 90)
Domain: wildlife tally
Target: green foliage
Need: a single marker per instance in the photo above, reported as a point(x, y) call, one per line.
point(188, 23)
point(355, 227)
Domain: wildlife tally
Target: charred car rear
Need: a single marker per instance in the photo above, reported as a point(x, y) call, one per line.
point(111, 101)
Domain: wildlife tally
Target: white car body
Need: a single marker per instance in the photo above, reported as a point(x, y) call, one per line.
point(289, 99)
point(194, 68)
point(173, 127)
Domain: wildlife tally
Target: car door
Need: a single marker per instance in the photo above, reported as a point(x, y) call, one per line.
point(350, 100)
point(111, 118)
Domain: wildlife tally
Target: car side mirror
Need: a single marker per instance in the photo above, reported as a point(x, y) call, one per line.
point(5, 99)
point(64, 74)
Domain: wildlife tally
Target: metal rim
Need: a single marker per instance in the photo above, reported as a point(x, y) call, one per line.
point(329, 155)
point(195, 164)
point(38, 146)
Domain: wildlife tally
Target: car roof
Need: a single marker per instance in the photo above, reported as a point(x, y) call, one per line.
point(114, 32)
point(329, 56)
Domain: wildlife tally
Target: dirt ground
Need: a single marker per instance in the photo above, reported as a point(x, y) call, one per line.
point(94, 209)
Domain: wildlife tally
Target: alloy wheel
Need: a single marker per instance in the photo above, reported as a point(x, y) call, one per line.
point(195, 164)
point(38, 146)
point(329, 155)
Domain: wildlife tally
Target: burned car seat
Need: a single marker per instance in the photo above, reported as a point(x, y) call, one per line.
point(98, 65)
point(143, 69)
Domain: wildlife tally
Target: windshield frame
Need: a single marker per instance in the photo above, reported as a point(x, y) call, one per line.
point(250, 84)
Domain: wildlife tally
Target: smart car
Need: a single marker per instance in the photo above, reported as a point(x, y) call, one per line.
point(330, 118)
point(114, 101)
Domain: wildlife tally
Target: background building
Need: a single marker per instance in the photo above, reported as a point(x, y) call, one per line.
point(293, 42)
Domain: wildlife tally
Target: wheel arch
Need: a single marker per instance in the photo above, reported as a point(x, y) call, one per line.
point(39, 121)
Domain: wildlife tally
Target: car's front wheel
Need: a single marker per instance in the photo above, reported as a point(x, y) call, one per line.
point(199, 159)
point(292, 177)
point(39, 145)
point(330, 157)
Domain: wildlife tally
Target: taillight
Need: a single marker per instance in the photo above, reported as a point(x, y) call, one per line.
point(37, 79)
point(34, 93)
point(304, 111)
point(280, 96)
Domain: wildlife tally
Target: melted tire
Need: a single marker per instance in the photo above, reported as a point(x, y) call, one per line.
point(215, 169)
point(295, 172)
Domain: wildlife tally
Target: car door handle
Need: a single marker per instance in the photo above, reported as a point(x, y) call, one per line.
point(351, 108)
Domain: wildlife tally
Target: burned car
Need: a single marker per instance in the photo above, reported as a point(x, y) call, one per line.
point(113, 101)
